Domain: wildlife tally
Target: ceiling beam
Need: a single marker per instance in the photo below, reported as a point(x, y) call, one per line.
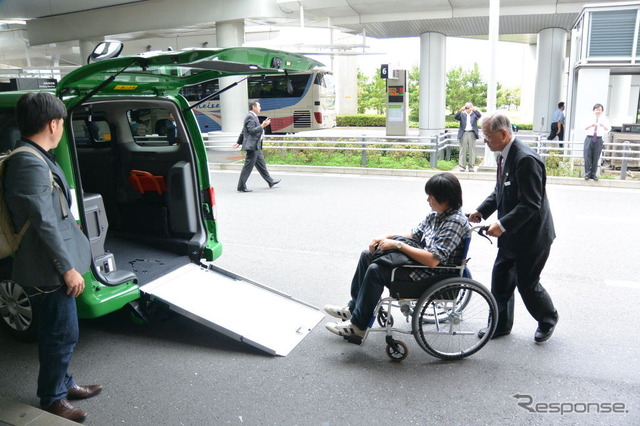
point(144, 16)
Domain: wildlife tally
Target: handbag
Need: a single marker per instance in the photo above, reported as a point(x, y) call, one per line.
point(395, 257)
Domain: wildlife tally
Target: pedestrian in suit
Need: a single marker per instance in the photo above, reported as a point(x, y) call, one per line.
point(524, 229)
point(53, 252)
point(251, 142)
point(467, 135)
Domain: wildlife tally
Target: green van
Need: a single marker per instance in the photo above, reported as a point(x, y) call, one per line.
point(134, 155)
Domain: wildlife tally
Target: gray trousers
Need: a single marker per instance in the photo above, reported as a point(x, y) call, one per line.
point(253, 158)
point(467, 145)
point(592, 151)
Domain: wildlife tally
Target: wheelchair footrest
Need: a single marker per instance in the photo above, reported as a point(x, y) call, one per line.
point(353, 339)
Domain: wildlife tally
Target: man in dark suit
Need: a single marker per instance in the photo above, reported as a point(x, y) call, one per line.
point(53, 252)
point(467, 135)
point(524, 229)
point(251, 141)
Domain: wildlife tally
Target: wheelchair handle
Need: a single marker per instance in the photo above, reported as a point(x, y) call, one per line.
point(481, 230)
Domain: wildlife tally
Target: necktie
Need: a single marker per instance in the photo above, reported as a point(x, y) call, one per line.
point(500, 169)
point(595, 132)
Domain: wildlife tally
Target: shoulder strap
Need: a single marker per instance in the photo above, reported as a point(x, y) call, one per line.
point(54, 184)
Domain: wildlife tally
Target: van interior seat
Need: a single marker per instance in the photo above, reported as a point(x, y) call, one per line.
point(9, 135)
point(142, 182)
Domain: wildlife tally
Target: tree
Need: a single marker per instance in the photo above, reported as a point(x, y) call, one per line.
point(508, 97)
point(371, 93)
point(465, 86)
point(414, 94)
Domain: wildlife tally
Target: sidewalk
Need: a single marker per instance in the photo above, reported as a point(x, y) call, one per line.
point(18, 414)
point(230, 159)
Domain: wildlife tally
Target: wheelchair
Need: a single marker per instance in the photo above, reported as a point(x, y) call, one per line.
point(445, 312)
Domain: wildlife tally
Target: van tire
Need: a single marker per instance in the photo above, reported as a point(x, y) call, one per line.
point(18, 314)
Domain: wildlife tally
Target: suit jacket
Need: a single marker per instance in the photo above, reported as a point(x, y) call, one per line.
point(52, 244)
point(462, 118)
point(251, 133)
point(521, 202)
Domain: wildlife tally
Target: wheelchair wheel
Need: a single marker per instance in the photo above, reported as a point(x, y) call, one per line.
point(448, 329)
point(397, 350)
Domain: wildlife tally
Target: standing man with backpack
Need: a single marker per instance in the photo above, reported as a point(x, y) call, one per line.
point(53, 254)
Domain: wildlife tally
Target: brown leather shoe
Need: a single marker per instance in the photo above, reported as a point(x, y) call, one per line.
point(63, 408)
point(83, 392)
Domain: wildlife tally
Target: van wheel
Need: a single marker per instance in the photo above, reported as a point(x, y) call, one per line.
point(18, 314)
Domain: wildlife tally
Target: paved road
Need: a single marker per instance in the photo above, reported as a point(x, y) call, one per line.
point(303, 237)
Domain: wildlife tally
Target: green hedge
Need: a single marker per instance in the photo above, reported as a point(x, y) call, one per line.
point(364, 120)
point(361, 120)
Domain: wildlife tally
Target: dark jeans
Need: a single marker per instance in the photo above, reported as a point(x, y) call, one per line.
point(592, 151)
point(253, 159)
point(366, 288)
point(57, 337)
point(521, 271)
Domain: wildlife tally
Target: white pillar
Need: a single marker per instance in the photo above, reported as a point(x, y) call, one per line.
point(618, 111)
point(432, 83)
point(234, 104)
point(346, 80)
point(489, 159)
point(552, 45)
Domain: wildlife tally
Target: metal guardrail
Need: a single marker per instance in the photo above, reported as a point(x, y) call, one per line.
point(435, 147)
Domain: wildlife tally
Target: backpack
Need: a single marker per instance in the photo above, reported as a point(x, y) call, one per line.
point(9, 239)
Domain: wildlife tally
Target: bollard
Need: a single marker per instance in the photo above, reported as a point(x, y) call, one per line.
point(364, 152)
point(623, 168)
point(434, 154)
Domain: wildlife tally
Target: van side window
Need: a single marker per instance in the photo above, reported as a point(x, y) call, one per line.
point(90, 131)
point(154, 127)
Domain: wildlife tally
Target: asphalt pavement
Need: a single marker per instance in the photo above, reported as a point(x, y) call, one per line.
point(303, 237)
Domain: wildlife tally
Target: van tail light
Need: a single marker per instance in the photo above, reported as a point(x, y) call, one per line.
point(318, 116)
point(210, 199)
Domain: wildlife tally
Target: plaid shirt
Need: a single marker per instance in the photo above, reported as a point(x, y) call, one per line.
point(443, 236)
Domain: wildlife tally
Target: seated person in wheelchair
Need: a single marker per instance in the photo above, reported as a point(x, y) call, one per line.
point(440, 237)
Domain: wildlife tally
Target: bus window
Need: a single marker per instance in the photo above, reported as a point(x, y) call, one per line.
point(275, 86)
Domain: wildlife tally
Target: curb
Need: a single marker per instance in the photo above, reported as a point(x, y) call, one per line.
point(480, 175)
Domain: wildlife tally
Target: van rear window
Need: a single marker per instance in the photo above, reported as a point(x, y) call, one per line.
point(154, 126)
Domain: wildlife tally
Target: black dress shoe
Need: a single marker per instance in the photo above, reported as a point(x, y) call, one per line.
point(595, 178)
point(274, 183)
point(245, 190)
point(496, 333)
point(543, 333)
point(64, 409)
point(83, 392)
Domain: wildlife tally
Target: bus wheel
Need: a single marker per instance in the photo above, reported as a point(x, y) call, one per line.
point(18, 313)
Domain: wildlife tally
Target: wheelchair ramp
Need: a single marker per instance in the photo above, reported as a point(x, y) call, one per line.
point(236, 307)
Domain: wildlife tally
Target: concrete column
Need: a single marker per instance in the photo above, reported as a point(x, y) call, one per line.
point(86, 47)
point(234, 102)
point(432, 83)
point(552, 45)
point(346, 79)
point(618, 111)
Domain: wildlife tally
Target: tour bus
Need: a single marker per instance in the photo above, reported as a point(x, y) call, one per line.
point(145, 199)
point(294, 102)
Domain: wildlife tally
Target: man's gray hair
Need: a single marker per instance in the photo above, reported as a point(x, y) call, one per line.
point(496, 122)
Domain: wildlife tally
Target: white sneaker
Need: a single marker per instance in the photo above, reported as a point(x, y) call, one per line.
point(341, 312)
point(345, 328)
